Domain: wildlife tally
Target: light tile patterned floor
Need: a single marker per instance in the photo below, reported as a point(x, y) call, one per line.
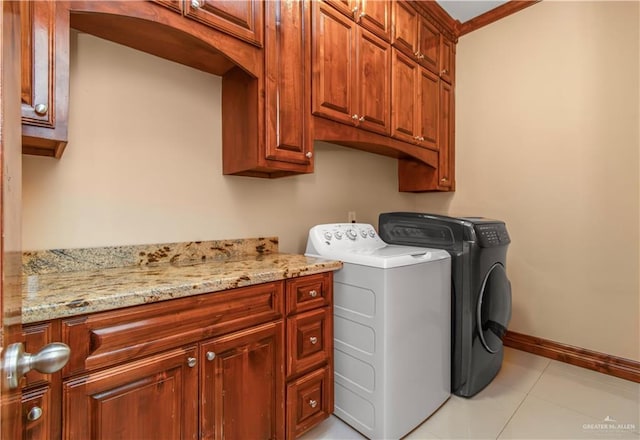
point(531, 398)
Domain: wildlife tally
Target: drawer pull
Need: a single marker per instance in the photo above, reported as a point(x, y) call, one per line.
point(313, 340)
point(191, 362)
point(313, 293)
point(211, 355)
point(313, 403)
point(34, 413)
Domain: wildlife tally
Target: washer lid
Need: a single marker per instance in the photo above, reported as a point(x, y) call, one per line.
point(358, 243)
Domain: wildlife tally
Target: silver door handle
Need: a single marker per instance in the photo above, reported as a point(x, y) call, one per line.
point(17, 363)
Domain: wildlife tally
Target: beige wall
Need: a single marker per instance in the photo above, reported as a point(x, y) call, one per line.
point(547, 105)
point(143, 165)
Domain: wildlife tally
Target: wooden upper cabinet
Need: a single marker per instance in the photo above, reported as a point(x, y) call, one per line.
point(414, 102)
point(373, 82)
point(447, 69)
point(241, 18)
point(333, 64)
point(446, 153)
point(373, 15)
point(243, 385)
point(45, 77)
point(414, 35)
point(288, 98)
point(428, 45)
point(350, 72)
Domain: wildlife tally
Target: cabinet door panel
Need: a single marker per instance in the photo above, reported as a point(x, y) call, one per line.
point(429, 104)
point(429, 45)
point(405, 27)
point(152, 398)
point(242, 390)
point(375, 15)
point(309, 340)
point(240, 18)
point(445, 155)
point(404, 92)
point(37, 20)
point(287, 99)
point(309, 401)
point(447, 60)
point(39, 425)
point(333, 64)
point(374, 62)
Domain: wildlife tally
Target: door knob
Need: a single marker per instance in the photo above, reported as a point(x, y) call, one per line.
point(17, 363)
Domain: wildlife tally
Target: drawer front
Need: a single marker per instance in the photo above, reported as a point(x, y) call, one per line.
point(38, 422)
point(309, 292)
point(309, 340)
point(104, 339)
point(309, 401)
point(37, 336)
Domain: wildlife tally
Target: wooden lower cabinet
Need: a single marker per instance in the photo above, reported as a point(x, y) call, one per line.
point(242, 385)
point(153, 398)
point(210, 366)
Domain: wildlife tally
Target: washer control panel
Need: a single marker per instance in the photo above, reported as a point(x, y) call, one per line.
point(492, 234)
point(345, 236)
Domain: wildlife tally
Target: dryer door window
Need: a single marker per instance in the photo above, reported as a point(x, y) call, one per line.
point(494, 308)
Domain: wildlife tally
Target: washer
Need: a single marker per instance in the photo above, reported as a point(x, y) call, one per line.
point(392, 329)
point(481, 291)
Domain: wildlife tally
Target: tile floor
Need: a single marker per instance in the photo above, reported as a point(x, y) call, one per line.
point(531, 398)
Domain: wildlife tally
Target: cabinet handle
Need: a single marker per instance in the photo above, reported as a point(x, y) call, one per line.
point(362, 14)
point(211, 355)
point(417, 138)
point(41, 109)
point(195, 4)
point(361, 118)
point(444, 72)
point(51, 358)
point(34, 413)
point(313, 293)
point(191, 362)
point(313, 403)
point(419, 55)
point(421, 138)
point(313, 340)
point(444, 179)
point(308, 155)
point(354, 117)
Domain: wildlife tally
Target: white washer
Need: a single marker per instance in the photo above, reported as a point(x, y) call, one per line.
point(392, 329)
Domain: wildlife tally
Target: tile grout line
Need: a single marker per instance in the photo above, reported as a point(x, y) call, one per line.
point(525, 398)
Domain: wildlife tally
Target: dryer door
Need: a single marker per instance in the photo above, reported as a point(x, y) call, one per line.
point(494, 308)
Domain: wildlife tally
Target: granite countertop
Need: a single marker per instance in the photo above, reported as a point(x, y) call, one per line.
point(64, 283)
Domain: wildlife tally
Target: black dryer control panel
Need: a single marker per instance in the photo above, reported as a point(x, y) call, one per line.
point(492, 234)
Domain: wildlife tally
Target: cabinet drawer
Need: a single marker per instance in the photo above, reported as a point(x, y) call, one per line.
point(37, 336)
point(37, 418)
point(309, 292)
point(309, 401)
point(309, 340)
point(105, 339)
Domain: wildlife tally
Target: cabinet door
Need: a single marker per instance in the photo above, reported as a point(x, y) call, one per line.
point(405, 27)
point(347, 7)
point(242, 385)
point(372, 82)
point(44, 93)
point(404, 97)
point(309, 340)
point(375, 16)
point(429, 105)
point(428, 45)
point(288, 99)
point(241, 18)
point(39, 421)
point(309, 401)
point(333, 64)
point(446, 164)
point(447, 60)
point(153, 398)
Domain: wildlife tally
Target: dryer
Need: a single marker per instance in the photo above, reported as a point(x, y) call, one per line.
point(481, 291)
point(392, 324)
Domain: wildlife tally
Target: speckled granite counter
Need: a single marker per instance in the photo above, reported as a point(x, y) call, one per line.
point(63, 283)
